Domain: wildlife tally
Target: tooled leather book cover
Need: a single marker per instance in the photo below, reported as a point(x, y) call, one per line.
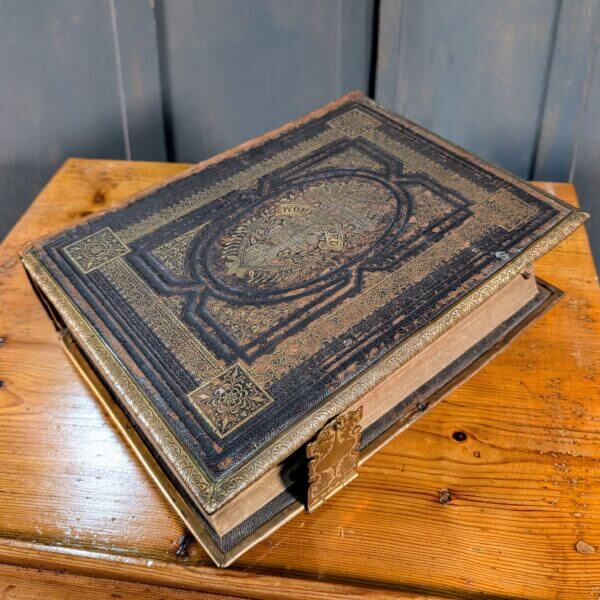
point(236, 309)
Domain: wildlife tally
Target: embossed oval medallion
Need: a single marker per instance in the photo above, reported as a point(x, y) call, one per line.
point(303, 234)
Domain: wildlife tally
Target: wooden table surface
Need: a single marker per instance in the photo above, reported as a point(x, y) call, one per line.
point(513, 510)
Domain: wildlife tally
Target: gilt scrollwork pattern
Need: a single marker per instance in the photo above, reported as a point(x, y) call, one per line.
point(343, 399)
point(354, 123)
point(273, 240)
point(93, 251)
point(229, 400)
point(308, 232)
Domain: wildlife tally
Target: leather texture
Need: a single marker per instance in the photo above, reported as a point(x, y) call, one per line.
point(244, 294)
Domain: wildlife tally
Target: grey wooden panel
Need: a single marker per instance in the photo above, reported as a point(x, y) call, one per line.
point(388, 52)
point(233, 69)
point(66, 85)
point(139, 79)
point(568, 83)
point(585, 172)
point(58, 98)
point(473, 71)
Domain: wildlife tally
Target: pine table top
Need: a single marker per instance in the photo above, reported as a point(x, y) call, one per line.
point(495, 492)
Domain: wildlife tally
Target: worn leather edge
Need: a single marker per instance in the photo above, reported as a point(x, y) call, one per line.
point(143, 454)
point(213, 495)
point(186, 513)
point(124, 386)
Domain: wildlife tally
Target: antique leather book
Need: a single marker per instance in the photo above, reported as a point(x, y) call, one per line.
point(262, 324)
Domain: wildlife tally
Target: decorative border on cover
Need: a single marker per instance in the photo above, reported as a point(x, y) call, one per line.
point(211, 496)
point(123, 384)
point(354, 390)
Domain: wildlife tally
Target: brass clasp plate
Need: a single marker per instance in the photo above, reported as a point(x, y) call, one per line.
point(333, 457)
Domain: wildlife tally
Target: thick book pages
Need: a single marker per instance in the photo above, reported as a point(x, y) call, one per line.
point(236, 309)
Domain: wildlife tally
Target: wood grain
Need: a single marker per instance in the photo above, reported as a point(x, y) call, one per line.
point(17, 583)
point(489, 494)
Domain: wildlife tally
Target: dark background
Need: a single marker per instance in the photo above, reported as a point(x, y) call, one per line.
point(515, 81)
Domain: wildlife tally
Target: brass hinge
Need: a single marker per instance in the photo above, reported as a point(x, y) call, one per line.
point(333, 457)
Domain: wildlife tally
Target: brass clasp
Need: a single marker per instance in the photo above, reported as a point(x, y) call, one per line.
point(333, 457)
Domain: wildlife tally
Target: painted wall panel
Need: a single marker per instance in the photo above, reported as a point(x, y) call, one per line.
point(136, 53)
point(233, 69)
point(568, 86)
point(515, 81)
point(472, 71)
point(585, 172)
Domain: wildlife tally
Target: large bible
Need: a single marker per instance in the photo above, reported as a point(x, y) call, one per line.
point(260, 325)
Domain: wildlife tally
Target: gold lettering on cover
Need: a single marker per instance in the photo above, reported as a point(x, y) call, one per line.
point(308, 231)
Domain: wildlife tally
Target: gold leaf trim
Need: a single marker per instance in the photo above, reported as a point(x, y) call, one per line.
point(238, 181)
point(99, 248)
point(357, 388)
point(211, 497)
point(113, 371)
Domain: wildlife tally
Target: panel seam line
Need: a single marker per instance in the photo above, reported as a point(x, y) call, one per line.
point(120, 84)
